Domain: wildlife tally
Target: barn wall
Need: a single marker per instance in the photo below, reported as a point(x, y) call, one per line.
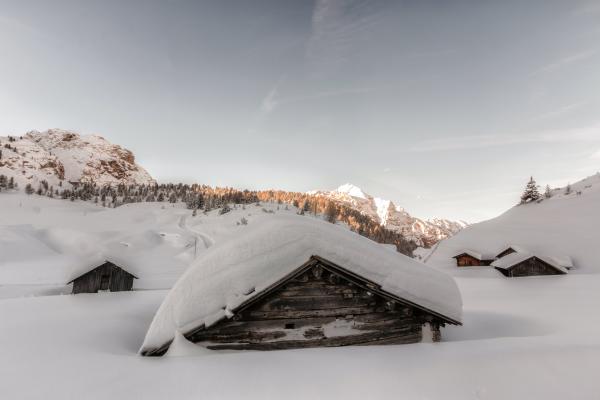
point(317, 308)
point(532, 267)
point(120, 280)
point(467, 261)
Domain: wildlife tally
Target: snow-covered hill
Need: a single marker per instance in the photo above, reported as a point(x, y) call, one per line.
point(423, 232)
point(528, 338)
point(63, 156)
point(46, 241)
point(565, 224)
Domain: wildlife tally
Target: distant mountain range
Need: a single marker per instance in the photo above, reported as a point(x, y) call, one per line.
point(65, 158)
point(61, 157)
point(422, 232)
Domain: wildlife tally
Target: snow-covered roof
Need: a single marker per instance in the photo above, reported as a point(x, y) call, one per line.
point(513, 259)
point(515, 247)
point(136, 263)
point(476, 254)
point(91, 263)
point(233, 271)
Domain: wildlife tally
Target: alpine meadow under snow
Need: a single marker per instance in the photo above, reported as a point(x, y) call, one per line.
point(521, 338)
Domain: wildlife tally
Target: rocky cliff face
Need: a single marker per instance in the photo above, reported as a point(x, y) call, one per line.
point(423, 232)
point(63, 156)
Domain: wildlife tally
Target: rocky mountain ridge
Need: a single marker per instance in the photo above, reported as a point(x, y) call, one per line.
point(424, 232)
point(62, 158)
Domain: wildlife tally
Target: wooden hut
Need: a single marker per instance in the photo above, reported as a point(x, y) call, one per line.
point(105, 277)
point(291, 282)
point(470, 258)
point(311, 306)
point(518, 264)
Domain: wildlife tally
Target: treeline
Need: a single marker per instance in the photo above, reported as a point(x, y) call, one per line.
point(197, 197)
point(335, 211)
point(7, 183)
point(206, 198)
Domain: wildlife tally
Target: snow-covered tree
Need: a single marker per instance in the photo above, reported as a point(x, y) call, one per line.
point(531, 192)
point(548, 192)
point(29, 189)
point(225, 209)
point(568, 189)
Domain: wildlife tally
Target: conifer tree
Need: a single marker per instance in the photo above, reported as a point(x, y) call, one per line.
point(548, 192)
point(331, 212)
point(568, 189)
point(531, 192)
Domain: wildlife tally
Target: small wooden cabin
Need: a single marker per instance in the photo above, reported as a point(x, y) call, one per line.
point(519, 264)
point(469, 258)
point(105, 277)
point(320, 304)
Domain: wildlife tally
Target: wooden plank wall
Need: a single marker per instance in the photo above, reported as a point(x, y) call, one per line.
point(467, 261)
point(317, 308)
point(120, 280)
point(532, 267)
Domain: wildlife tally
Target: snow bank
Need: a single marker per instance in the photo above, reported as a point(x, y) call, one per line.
point(262, 253)
point(512, 346)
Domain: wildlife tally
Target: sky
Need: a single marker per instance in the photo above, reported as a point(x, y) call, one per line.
point(444, 107)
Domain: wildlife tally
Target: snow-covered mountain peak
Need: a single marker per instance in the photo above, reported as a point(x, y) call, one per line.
point(386, 213)
point(60, 156)
point(351, 190)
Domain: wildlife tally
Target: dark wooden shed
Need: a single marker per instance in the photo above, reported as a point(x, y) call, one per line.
point(518, 265)
point(320, 304)
point(472, 259)
point(105, 277)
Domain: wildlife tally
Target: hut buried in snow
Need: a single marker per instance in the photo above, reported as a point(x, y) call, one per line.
point(104, 277)
point(527, 264)
point(291, 282)
point(470, 258)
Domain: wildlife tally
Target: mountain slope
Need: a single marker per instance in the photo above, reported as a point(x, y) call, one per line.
point(565, 224)
point(385, 212)
point(63, 156)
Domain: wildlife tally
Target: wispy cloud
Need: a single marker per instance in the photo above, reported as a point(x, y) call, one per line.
point(565, 61)
point(587, 9)
point(269, 103)
point(432, 53)
point(336, 26)
point(590, 134)
point(274, 100)
point(559, 112)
